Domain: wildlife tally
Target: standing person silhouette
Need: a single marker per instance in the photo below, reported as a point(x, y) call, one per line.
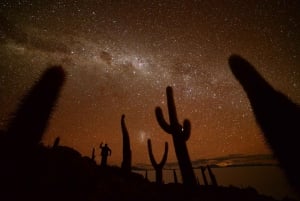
point(105, 152)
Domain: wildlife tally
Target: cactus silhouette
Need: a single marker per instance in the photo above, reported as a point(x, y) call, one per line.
point(158, 166)
point(180, 135)
point(20, 142)
point(212, 177)
point(277, 116)
point(126, 163)
point(30, 120)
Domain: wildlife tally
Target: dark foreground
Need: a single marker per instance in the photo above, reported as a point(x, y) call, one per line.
point(31, 171)
point(61, 173)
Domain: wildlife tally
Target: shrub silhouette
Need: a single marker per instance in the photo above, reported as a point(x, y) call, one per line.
point(277, 116)
point(126, 163)
point(158, 166)
point(180, 135)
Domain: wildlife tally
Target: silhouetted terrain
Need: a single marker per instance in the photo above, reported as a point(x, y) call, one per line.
point(32, 171)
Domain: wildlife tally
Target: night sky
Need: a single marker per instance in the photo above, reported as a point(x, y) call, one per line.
point(121, 55)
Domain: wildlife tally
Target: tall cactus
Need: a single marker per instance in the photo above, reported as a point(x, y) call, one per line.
point(180, 135)
point(158, 166)
point(276, 114)
point(25, 131)
point(32, 116)
point(126, 163)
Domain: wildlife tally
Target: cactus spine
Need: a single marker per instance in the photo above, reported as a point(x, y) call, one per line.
point(158, 166)
point(180, 135)
point(126, 163)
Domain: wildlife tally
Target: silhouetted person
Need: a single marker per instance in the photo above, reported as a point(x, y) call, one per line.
point(105, 152)
point(277, 116)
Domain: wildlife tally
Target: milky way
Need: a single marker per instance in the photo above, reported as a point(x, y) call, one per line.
point(120, 57)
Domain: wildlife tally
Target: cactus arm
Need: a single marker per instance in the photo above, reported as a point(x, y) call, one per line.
point(186, 129)
point(158, 167)
point(124, 129)
point(171, 106)
point(165, 156)
point(153, 162)
point(161, 121)
point(151, 156)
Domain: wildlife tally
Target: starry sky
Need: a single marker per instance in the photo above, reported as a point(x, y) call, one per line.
point(121, 55)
